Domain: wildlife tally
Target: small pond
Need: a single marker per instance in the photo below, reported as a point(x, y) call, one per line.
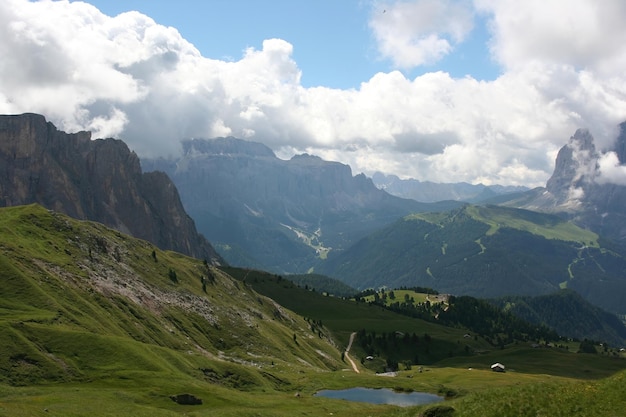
point(381, 396)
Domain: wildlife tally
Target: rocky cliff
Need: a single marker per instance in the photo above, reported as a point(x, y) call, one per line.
point(605, 200)
point(580, 191)
point(99, 180)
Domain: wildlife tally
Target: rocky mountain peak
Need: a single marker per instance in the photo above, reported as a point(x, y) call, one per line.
point(577, 188)
point(306, 159)
point(582, 140)
point(99, 180)
point(29, 135)
point(574, 168)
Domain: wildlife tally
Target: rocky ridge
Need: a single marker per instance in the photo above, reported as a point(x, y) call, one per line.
point(578, 190)
point(99, 180)
point(430, 192)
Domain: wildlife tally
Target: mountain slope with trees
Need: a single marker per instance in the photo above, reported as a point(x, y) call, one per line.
point(487, 252)
point(569, 314)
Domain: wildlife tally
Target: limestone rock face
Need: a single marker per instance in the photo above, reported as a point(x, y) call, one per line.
point(574, 168)
point(99, 180)
point(578, 189)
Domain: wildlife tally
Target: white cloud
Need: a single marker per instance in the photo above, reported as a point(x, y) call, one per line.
point(128, 77)
point(610, 170)
point(580, 33)
point(414, 33)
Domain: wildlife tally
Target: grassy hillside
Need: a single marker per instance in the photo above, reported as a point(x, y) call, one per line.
point(322, 283)
point(82, 303)
point(486, 252)
point(344, 316)
point(93, 322)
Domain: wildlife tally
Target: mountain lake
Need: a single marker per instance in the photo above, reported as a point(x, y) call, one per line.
point(381, 396)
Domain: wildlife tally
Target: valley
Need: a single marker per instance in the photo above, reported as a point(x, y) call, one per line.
point(312, 240)
point(427, 296)
point(354, 208)
point(96, 322)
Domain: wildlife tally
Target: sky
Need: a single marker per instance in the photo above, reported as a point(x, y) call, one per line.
point(480, 91)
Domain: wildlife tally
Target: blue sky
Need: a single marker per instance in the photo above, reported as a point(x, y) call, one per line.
point(333, 45)
point(480, 91)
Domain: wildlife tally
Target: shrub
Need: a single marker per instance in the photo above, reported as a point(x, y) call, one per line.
point(172, 274)
point(439, 411)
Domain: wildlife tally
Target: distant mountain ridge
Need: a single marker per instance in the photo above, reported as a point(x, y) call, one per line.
point(283, 216)
point(430, 192)
point(487, 252)
point(99, 180)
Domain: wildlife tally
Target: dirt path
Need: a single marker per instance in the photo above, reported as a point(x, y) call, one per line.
point(347, 356)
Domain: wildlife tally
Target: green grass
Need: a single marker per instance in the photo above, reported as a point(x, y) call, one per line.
point(343, 316)
point(546, 225)
point(400, 295)
point(91, 324)
point(473, 392)
point(549, 398)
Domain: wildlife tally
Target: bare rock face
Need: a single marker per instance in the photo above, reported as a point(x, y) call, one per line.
point(99, 180)
point(574, 168)
point(606, 201)
point(577, 188)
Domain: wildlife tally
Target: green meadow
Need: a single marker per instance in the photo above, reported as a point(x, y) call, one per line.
point(496, 217)
point(95, 323)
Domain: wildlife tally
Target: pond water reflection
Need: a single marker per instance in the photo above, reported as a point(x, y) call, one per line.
point(381, 396)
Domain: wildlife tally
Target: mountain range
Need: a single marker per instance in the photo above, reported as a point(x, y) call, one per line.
point(283, 216)
point(306, 214)
point(94, 321)
point(430, 192)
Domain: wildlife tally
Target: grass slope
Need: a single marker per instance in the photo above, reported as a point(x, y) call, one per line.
point(82, 303)
point(541, 224)
point(93, 322)
point(343, 316)
point(322, 283)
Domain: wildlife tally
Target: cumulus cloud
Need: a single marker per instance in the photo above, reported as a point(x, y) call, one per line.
point(129, 77)
point(414, 33)
point(610, 170)
point(587, 35)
